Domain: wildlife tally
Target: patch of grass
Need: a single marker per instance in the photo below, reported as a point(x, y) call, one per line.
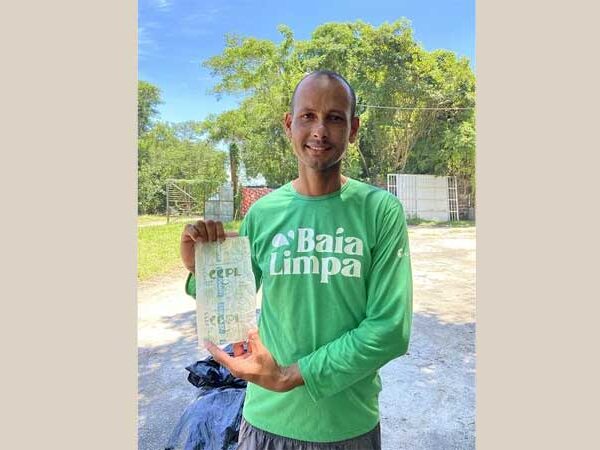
point(152, 219)
point(147, 218)
point(158, 248)
point(234, 225)
point(462, 224)
point(435, 223)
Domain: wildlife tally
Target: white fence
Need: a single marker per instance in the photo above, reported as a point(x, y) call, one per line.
point(220, 205)
point(427, 197)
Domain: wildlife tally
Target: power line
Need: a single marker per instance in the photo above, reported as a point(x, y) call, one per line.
point(406, 107)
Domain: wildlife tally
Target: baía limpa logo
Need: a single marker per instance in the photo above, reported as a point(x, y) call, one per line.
point(308, 247)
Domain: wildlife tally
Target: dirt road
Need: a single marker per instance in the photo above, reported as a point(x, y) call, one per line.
point(428, 397)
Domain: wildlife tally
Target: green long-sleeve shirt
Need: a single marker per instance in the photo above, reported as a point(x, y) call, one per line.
point(337, 299)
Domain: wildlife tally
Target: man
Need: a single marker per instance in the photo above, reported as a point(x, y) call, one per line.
point(332, 256)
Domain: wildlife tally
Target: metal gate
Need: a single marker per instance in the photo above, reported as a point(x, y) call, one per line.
point(199, 198)
point(427, 197)
point(220, 205)
point(181, 200)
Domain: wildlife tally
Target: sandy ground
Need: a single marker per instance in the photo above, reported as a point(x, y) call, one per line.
point(428, 397)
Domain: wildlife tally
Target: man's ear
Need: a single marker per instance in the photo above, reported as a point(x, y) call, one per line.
point(354, 125)
point(287, 124)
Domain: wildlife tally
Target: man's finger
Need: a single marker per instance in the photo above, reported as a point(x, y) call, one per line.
point(254, 342)
point(195, 232)
point(219, 355)
point(238, 349)
point(202, 233)
point(253, 335)
point(211, 230)
point(190, 232)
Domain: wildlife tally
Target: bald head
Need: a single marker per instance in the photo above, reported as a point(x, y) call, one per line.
point(334, 76)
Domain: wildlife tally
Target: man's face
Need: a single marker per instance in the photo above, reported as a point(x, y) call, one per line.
point(320, 127)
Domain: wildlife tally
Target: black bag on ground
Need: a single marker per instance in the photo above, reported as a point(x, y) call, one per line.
point(212, 420)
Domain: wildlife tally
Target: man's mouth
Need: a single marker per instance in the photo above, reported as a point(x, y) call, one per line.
point(318, 148)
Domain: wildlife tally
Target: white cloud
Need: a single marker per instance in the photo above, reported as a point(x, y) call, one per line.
point(163, 5)
point(198, 23)
point(146, 45)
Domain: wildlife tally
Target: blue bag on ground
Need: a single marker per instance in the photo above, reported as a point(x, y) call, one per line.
point(212, 420)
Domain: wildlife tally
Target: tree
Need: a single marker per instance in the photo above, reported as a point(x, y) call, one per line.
point(266, 72)
point(234, 164)
point(176, 151)
point(386, 67)
point(149, 97)
point(166, 151)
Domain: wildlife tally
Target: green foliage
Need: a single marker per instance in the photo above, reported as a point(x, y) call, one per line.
point(264, 70)
point(158, 248)
point(148, 99)
point(384, 64)
point(423, 223)
point(175, 151)
point(449, 149)
point(171, 151)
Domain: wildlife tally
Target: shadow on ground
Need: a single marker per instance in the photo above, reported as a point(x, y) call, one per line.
point(428, 397)
point(163, 389)
point(427, 402)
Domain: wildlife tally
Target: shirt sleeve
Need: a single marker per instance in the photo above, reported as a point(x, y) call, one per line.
point(246, 230)
point(190, 282)
point(385, 331)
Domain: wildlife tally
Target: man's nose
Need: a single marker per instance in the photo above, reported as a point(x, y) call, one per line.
point(320, 130)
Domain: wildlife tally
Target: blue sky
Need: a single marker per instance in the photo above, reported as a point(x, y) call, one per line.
point(175, 36)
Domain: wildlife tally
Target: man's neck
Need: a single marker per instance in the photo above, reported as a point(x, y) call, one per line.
point(318, 183)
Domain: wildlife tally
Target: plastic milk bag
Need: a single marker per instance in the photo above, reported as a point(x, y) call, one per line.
point(225, 291)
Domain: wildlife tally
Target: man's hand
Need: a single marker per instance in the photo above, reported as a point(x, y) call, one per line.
point(202, 231)
point(257, 365)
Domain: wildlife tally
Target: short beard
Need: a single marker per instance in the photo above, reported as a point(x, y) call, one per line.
point(329, 167)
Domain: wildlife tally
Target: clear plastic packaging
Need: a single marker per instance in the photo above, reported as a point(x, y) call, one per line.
point(225, 291)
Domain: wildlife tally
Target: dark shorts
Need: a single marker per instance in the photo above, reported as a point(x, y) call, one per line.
point(252, 438)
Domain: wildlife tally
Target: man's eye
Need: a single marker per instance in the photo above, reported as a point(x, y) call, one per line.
point(336, 118)
point(306, 116)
